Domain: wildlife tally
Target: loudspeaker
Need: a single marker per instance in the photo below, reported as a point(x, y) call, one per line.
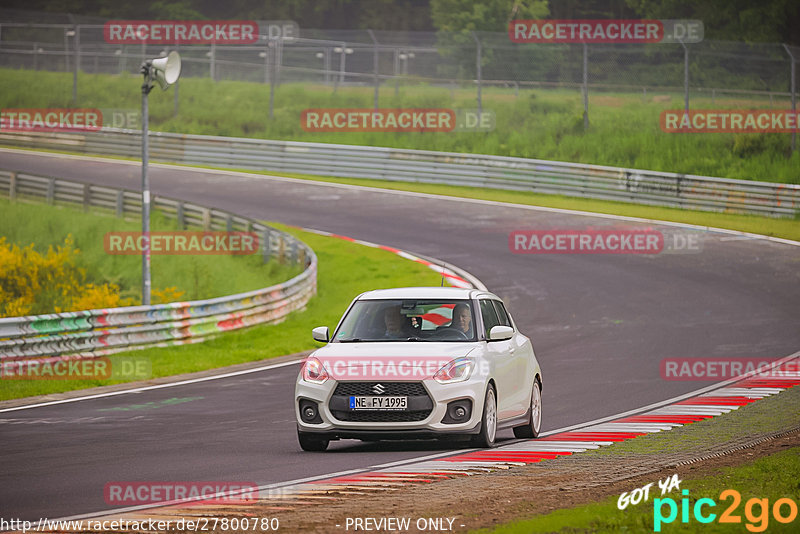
point(166, 70)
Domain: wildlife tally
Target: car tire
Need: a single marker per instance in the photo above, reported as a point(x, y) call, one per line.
point(312, 442)
point(488, 434)
point(534, 426)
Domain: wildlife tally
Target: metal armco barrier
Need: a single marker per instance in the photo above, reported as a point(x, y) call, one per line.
point(100, 332)
point(496, 172)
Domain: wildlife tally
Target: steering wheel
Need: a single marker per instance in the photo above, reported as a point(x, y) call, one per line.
point(450, 329)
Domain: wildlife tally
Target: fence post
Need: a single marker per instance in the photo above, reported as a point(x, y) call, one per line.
point(479, 72)
point(212, 63)
point(87, 197)
point(77, 64)
point(12, 187)
point(272, 57)
point(181, 216)
point(265, 247)
point(120, 203)
point(685, 77)
point(375, 66)
point(51, 191)
point(396, 72)
point(793, 89)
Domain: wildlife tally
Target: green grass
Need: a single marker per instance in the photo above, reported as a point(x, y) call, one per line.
point(771, 477)
point(545, 124)
point(199, 276)
point(345, 270)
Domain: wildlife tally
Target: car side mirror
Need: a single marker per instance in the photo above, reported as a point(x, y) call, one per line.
point(320, 333)
point(500, 333)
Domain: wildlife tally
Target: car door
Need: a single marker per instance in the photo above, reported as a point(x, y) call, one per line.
point(501, 356)
point(521, 364)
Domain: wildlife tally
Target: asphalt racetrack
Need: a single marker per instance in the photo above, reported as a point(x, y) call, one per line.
point(601, 324)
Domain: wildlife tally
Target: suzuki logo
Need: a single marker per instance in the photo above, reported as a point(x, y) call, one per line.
point(378, 389)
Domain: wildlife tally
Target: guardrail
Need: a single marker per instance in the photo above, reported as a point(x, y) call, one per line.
point(474, 170)
point(105, 331)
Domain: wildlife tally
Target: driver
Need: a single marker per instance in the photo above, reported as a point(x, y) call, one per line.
point(462, 319)
point(393, 320)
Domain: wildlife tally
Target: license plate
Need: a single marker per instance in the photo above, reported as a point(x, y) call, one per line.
point(378, 403)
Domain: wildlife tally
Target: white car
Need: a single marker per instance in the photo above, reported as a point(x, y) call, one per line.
point(419, 363)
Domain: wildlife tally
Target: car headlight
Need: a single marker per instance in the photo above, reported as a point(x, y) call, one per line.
point(457, 370)
point(313, 371)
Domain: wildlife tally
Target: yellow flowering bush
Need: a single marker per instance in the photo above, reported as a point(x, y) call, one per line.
point(33, 283)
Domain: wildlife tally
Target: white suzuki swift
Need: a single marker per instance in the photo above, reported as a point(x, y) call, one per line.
point(418, 363)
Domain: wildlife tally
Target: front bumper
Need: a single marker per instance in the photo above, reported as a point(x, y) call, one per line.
point(430, 426)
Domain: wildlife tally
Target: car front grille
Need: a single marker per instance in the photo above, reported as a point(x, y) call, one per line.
point(417, 398)
point(381, 416)
point(406, 389)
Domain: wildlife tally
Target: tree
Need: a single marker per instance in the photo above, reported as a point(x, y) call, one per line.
point(732, 20)
point(460, 16)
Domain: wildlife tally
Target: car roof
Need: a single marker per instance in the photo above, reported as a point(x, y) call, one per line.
point(423, 293)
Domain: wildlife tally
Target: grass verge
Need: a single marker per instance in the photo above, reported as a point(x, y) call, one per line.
point(345, 270)
point(769, 478)
point(542, 123)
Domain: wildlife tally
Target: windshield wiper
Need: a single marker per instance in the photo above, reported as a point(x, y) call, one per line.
point(415, 339)
point(353, 340)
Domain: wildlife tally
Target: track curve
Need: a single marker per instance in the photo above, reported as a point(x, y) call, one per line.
point(601, 324)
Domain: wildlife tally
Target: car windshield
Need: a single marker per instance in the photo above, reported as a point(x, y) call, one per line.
point(407, 320)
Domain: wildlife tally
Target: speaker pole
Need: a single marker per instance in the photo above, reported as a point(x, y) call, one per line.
point(147, 86)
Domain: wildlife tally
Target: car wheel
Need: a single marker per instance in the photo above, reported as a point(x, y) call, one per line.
point(531, 430)
point(486, 437)
point(312, 442)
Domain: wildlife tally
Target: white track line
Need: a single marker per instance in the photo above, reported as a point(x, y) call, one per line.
point(148, 388)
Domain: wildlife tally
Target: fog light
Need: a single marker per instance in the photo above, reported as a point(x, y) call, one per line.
point(458, 411)
point(309, 412)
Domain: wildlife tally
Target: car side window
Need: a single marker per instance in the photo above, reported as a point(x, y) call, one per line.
point(489, 316)
point(502, 315)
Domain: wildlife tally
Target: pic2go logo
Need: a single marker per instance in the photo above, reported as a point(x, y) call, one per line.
point(758, 521)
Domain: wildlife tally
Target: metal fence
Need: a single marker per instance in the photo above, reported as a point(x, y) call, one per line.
point(474, 170)
point(105, 331)
point(391, 58)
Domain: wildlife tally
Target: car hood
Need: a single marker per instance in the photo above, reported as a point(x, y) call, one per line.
point(389, 360)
